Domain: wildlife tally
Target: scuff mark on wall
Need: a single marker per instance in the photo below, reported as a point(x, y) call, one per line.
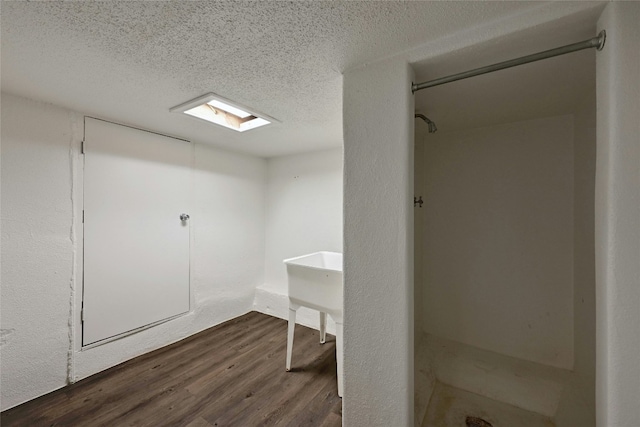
point(5, 334)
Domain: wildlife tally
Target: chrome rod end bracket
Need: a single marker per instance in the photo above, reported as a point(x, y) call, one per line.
point(414, 87)
point(602, 37)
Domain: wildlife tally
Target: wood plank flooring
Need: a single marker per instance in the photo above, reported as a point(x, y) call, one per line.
point(229, 375)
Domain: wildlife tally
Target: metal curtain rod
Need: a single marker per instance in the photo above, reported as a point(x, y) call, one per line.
point(597, 42)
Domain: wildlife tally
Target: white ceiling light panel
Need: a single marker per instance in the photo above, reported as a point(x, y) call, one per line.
point(223, 112)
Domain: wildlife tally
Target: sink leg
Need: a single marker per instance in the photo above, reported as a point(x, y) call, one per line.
point(323, 327)
point(292, 326)
point(339, 356)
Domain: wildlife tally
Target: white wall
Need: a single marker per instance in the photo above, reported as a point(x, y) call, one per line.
point(424, 373)
point(617, 219)
point(304, 210)
point(303, 215)
point(421, 137)
point(41, 242)
point(569, 398)
point(378, 238)
point(498, 238)
point(577, 405)
point(37, 247)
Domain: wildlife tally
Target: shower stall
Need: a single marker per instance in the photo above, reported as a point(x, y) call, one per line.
point(504, 244)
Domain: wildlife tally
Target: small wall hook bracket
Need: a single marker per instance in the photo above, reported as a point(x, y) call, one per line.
point(418, 201)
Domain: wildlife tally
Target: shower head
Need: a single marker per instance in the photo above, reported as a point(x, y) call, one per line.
point(430, 124)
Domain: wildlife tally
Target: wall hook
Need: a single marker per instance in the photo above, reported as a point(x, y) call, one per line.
point(417, 201)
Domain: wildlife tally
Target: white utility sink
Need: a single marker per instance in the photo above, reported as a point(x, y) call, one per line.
point(315, 281)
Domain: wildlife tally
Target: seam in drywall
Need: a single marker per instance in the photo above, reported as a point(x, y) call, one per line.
point(75, 131)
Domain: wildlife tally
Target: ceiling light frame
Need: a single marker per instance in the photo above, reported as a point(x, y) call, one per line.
point(218, 110)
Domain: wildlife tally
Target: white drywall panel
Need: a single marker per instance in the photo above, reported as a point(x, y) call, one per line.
point(303, 210)
point(229, 226)
point(617, 218)
point(498, 239)
point(40, 143)
point(303, 215)
point(378, 238)
point(37, 247)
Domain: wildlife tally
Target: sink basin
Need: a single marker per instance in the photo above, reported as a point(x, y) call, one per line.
point(315, 281)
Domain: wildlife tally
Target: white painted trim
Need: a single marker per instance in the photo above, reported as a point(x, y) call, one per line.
point(132, 332)
point(77, 197)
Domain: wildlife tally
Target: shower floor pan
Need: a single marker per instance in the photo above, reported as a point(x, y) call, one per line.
point(450, 407)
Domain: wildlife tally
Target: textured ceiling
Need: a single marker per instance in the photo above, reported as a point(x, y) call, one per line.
point(132, 61)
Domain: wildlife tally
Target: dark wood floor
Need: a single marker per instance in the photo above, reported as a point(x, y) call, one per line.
point(229, 375)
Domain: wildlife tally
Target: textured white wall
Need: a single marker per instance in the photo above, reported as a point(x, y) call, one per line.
point(303, 215)
point(378, 238)
point(498, 238)
point(39, 159)
point(37, 247)
point(617, 219)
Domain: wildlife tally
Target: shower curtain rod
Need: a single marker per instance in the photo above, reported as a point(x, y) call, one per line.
point(597, 42)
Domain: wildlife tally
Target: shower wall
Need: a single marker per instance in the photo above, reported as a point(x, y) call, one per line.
point(584, 159)
point(505, 262)
point(421, 132)
point(577, 405)
point(498, 238)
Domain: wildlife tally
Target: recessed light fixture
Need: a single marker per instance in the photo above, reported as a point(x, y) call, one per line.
point(221, 111)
